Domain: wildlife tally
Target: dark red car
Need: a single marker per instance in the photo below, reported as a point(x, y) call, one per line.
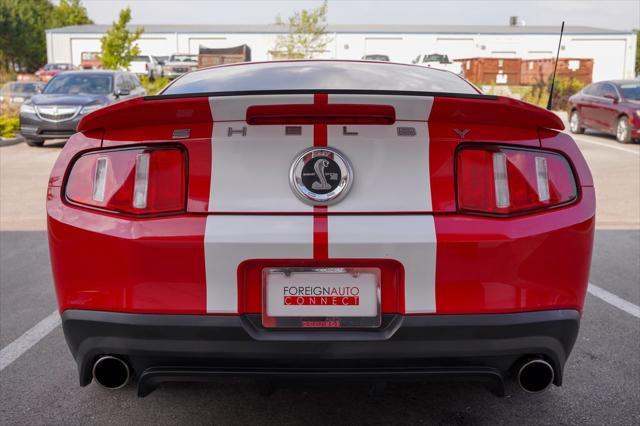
point(608, 106)
point(47, 72)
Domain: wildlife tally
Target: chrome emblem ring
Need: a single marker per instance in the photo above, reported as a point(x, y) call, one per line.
point(320, 176)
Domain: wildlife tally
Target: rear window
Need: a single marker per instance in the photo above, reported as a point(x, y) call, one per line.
point(630, 91)
point(319, 75)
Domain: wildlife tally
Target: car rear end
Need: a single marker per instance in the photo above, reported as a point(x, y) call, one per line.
point(180, 64)
point(321, 232)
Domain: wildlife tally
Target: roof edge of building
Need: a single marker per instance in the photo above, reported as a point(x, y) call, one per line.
point(360, 29)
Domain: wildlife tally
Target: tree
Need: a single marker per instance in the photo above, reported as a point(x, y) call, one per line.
point(118, 45)
point(307, 34)
point(22, 37)
point(22, 30)
point(70, 12)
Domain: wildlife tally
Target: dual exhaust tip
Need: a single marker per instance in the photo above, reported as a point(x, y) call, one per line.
point(534, 375)
point(111, 372)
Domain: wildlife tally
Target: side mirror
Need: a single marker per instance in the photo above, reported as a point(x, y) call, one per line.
point(121, 92)
point(613, 97)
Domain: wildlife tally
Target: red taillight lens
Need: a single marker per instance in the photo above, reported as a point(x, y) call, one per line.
point(134, 181)
point(503, 181)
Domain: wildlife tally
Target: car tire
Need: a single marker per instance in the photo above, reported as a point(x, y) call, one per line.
point(34, 142)
point(623, 130)
point(574, 122)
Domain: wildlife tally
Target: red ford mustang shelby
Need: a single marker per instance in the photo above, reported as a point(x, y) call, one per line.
point(319, 219)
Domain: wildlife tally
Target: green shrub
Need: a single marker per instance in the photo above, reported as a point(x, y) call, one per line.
point(563, 90)
point(9, 125)
point(155, 85)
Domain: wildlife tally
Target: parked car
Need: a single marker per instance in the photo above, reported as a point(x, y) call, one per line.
point(50, 70)
point(440, 62)
point(179, 64)
point(70, 96)
point(384, 58)
point(607, 106)
point(17, 92)
point(146, 65)
point(170, 264)
point(90, 61)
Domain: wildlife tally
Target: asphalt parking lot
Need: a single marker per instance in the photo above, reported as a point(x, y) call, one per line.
point(602, 380)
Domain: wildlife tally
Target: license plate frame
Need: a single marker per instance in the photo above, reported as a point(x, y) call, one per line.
point(332, 297)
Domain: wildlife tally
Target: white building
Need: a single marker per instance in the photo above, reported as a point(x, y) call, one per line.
point(613, 51)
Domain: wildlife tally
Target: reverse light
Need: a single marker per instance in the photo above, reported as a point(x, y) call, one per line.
point(498, 180)
point(139, 181)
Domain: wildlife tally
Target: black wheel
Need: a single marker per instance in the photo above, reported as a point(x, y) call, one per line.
point(623, 130)
point(574, 122)
point(34, 142)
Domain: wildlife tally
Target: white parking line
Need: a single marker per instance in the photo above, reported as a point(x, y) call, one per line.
point(606, 145)
point(15, 349)
point(614, 300)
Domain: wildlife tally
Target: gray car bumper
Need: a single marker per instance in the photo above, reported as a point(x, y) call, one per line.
point(34, 128)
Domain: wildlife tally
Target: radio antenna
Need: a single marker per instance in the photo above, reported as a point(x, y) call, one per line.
point(555, 67)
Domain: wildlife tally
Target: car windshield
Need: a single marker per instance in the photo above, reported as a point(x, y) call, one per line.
point(24, 87)
point(81, 83)
point(319, 75)
point(50, 67)
point(183, 58)
point(630, 91)
point(140, 59)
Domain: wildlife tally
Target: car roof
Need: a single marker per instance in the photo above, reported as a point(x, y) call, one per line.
point(22, 82)
point(319, 75)
point(103, 72)
point(619, 82)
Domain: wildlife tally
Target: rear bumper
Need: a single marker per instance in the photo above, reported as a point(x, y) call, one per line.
point(201, 347)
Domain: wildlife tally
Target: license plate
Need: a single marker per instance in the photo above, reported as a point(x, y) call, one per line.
point(321, 297)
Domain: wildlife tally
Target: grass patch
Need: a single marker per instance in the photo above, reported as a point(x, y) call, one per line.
point(155, 85)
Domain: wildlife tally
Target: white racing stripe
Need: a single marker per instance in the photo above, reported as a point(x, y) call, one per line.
point(231, 239)
point(614, 300)
point(390, 172)
point(15, 349)
point(251, 173)
point(606, 145)
point(411, 240)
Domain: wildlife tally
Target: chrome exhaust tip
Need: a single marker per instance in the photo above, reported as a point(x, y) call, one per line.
point(111, 372)
point(535, 375)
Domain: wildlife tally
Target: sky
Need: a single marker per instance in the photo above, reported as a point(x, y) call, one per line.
point(611, 14)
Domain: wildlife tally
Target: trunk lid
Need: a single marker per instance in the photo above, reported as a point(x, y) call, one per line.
point(399, 148)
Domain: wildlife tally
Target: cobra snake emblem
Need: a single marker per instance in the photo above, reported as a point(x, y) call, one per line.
point(319, 169)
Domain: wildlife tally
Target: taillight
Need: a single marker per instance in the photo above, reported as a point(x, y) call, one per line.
point(133, 181)
point(502, 181)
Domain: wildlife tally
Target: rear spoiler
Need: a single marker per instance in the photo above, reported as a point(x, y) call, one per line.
point(195, 108)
